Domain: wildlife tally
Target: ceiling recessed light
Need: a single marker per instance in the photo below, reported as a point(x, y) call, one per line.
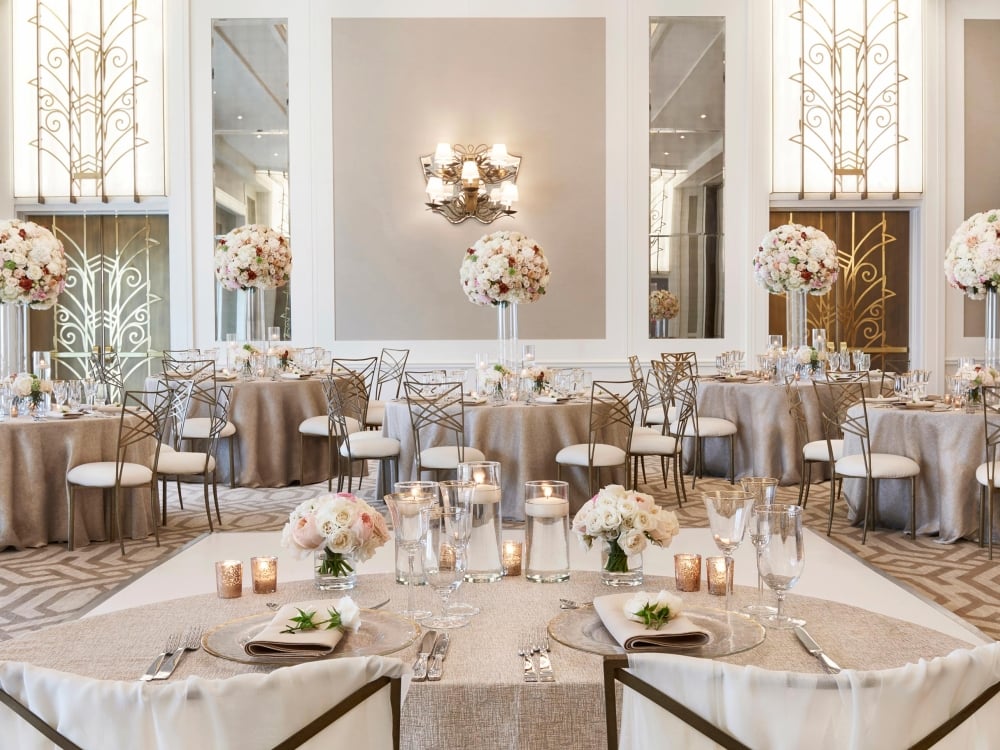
point(275, 153)
point(259, 136)
point(239, 117)
point(702, 115)
point(683, 137)
point(666, 153)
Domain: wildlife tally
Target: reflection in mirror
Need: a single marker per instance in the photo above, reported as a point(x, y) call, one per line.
point(250, 125)
point(686, 157)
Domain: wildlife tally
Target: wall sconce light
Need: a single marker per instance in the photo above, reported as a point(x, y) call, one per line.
point(477, 182)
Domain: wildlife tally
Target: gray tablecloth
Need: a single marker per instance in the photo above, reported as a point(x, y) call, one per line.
point(948, 446)
point(34, 459)
point(482, 698)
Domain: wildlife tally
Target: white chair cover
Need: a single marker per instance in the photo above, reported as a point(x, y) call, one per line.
point(248, 711)
point(854, 710)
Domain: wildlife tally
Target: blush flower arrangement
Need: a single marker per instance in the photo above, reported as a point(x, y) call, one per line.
point(794, 257)
point(253, 255)
point(663, 305)
point(342, 526)
point(32, 265)
point(972, 260)
point(627, 521)
point(504, 267)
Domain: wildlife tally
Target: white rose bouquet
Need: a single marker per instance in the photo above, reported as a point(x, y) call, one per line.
point(32, 265)
point(972, 260)
point(793, 257)
point(343, 526)
point(626, 520)
point(504, 267)
point(663, 305)
point(653, 611)
point(27, 385)
point(253, 255)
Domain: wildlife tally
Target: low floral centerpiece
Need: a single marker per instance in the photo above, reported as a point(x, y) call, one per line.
point(32, 265)
point(340, 530)
point(253, 256)
point(811, 357)
point(625, 521)
point(31, 388)
point(974, 377)
point(540, 378)
point(663, 305)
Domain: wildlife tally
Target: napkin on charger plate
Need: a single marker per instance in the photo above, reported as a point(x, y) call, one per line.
point(550, 399)
point(677, 634)
point(272, 642)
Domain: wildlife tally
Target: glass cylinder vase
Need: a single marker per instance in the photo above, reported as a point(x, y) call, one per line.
point(992, 328)
point(507, 335)
point(795, 318)
point(254, 328)
point(334, 571)
point(13, 338)
point(619, 568)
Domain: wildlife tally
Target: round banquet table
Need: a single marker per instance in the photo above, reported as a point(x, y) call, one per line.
point(482, 670)
point(34, 459)
point(523, 437)
point(948, 445)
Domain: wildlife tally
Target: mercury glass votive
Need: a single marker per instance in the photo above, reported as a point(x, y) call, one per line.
point(719, 575)
point(511, 557)
point(264, 572)
point(687, 572)
point(229, 579)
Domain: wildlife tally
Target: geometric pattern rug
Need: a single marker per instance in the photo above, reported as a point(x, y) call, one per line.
point(47, 585)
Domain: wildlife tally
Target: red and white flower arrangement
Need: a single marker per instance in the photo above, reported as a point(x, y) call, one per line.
point(504, 267)
point(794, 257)
point(253, 255)
point(32, 265)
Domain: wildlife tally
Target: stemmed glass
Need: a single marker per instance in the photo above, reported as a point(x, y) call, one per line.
point(762, 489)
point(456, 493)
point(782, 557)
point(60, 392)
point(409, 526)
point(445, 569)
point(728, 513)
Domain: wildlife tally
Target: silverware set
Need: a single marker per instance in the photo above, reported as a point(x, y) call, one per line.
point(176, 646)
point(429, 665)
point(536, 661)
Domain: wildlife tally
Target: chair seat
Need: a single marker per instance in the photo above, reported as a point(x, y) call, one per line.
point(579, 454)
point(174, 463)
point(643, 430)
point(983, 478)
point(884, 466)
point(709, 427)
point(655, 416)
point(818, 451)
point(376, 413)
point(368, 445)
point(198, 428)
point(320, 426)
point(446, 457)
point(653, 445)
point(102, 474)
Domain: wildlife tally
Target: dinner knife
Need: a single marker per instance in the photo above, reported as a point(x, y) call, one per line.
point(816, 650)
point(435, 666)
point(420, 665)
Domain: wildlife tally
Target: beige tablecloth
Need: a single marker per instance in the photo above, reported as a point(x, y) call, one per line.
point(524, 438)
point(482, 698)
point(948, 446)
point(34, 459)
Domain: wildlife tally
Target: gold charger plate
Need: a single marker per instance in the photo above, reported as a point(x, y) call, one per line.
point(582, 629)
point(380, 633)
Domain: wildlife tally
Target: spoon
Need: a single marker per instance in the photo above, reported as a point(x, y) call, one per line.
point(570, 604)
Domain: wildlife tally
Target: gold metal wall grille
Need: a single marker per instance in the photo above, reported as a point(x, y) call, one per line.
point(868, 307)
point(115, 292)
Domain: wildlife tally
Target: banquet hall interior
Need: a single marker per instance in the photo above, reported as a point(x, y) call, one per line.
point(260, 253)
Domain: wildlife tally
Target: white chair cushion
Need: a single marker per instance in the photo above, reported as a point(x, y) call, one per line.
point(376, 413)
point(320, 426)
point(983, 478)
point(446, 457)
point(173, 463)
point(884, 466)
point(370, 447)
point(604, 455)
point(653, 445)
point(654, 415)
point(817, 450)
point(197, 428)
point(102, 474)
point(642, 430)
point(714, 427)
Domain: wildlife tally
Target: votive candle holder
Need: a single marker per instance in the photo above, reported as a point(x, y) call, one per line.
point(229, 579)
point(687, 572)
point(719, 572)
point(511, 557)
point(264, 573)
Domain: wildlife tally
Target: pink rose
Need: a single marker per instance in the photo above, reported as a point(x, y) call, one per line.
point(306, 535)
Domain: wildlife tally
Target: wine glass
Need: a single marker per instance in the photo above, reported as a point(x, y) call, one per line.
point(782, 557)
point(728, 513)
point(444, 568)
point(456, 493)
point(409, 526)
point(60, 392)
point(762, 489)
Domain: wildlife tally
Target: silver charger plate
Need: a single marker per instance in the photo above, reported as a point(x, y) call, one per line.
point(380, 633)
point(582, 629)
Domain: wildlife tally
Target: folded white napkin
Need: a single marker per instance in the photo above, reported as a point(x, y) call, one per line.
point(678, 634)
point(550, 399)
point(302, 643)
point(290, 376)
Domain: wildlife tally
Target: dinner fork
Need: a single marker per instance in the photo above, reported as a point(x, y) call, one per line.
point(541, 647)
point(190, 641)
point(173, 641)
point(527, 663)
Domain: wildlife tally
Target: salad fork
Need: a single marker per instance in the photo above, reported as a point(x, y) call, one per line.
point(542, 648)
point(527, 663)
point(173, 641)
point(190, 641)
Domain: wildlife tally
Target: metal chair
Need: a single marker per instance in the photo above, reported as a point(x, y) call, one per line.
point(350, 401)
point(391, 365)
point(106, 368)
point(986, 473)
point(437, 415)
point(813, 451)
point(329, 427)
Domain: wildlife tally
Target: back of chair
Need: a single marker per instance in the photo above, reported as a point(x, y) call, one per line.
point(438, 405)
point(391, 365)
point(144, 418)
point(635, 368)
point(347, 402)
point(363, 366)
point(682, 361)
point(683, 395)
point(797, 410)
point(106, 367)
point(835, 400)
point(219, 417)
point(180, 404)
point(990, 396)
point(614, 406)
point(200, 373)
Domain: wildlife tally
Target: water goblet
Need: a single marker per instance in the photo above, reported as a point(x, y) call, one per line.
point(456, 493)
point(74, 393)
point(90, 391)
point(444, 568)
point(782, 557)
point(763, 490)
point(60, 392)
point(409, 526)
point(728, 514)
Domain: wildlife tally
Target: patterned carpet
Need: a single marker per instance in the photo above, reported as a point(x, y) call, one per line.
point(49, 585)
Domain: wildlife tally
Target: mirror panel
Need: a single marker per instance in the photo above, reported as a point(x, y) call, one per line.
point(686, 161)
point(250, 136)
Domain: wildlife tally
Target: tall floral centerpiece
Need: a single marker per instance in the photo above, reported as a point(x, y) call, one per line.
point(663, 306)
point(253, 258)
point(504, 269)
point(796, 261)
point(972, 264)
point(32, 275)
point(339, 530)
point(624, 521)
